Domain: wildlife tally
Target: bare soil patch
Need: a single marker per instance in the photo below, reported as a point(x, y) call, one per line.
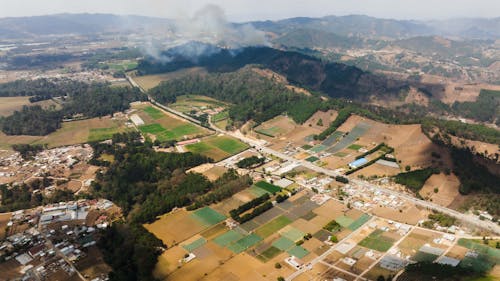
point(446, 185)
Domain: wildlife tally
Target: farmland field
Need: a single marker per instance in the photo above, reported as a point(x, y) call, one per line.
point(273, 226)
point(76, 132)
point(217, 147)
point(377, 241)
point(165, 127)
point(268, 187)
point(277, 126)
point(188, 103)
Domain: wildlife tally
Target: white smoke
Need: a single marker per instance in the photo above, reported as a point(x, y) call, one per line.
point(208, 25)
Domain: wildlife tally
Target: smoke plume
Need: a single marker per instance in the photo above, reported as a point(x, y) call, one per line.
point(208, 25)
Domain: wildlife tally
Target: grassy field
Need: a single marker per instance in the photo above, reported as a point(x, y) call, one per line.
point(76, 132)
point(188, 103)
point(377, 241)
point(220, 116)
point(355, 147)
point(10, 104)
point(271, 188)
point(165, 127)
point(273, 226)
point(217, 147)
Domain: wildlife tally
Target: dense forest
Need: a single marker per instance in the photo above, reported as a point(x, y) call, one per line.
point(334, 79)
point(25, 196)
point(88, 100)
point(32, 120)
point(145, 184)
point(42, 88)
point(485, 109)
point(253, 96)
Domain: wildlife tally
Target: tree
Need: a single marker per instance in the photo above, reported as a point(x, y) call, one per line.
point(334, 239)
point(277, 265)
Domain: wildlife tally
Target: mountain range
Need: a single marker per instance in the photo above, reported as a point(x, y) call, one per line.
point(350, 26)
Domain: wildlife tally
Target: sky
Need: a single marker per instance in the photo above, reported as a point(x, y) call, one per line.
point(247, 10)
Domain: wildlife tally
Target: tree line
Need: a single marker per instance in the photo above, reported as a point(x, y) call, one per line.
point(86, 100)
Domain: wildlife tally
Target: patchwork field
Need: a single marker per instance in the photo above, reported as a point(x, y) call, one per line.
point(293, 227)
point(217, 147)
point(76, 132)
point(163, 126)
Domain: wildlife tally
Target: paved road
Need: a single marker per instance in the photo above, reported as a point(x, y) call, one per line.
point(260, 145)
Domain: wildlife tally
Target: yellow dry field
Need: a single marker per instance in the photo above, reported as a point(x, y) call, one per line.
point(244, 267)
point(408, 215)
point(278, 126)
point(150, 81)
point(446, 185)
point(306, 226)
point(10, 104)
point(229, 204)
point(326, 116)
point(168, 262)
point(209, 258)
point(175, 227)
point(70, 133)
point(215, 172)
point(330, 210)
point(377, 170)
point(4, 219)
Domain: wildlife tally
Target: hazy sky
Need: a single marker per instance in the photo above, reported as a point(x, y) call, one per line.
point(243, 10)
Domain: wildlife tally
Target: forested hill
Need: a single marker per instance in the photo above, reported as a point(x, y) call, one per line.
point(333, 79)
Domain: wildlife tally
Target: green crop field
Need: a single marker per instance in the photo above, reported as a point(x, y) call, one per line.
point(217, 147)
point(100, 134)
point(306, 146)
point(227, 238)
point(228, 144)
point(377, 241)
point(272, 132)
point(312, 159)
point(271, 188)
point(344, 221)
point(359, 222)
point(355, 147)
point(153, 112)
point(283, 243)
point(269, 254)
point(272, 226)
point(220, 116)
point(208, 216)
point(298, 252)
point(195, 244)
